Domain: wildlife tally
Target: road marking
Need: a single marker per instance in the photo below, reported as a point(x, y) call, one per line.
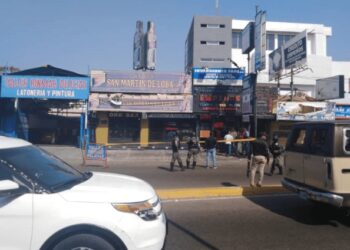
point(198, 193)
point(230, 198)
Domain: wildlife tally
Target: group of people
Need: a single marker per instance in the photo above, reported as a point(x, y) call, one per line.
point(260, 157)
point(258, 154)
point(193, 147)
point(236, 148)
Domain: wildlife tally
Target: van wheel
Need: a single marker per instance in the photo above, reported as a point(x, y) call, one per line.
point(84, 242)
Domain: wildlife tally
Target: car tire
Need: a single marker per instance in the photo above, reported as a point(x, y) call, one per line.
point(84, 242)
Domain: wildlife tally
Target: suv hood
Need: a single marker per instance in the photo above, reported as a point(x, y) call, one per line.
point(106, 187)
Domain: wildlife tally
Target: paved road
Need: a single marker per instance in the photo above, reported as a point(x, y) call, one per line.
point(153, 166)
point(264, 222)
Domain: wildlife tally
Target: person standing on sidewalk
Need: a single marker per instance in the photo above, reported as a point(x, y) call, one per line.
point(210, 146)
point(228, 142)
point(276, 151)
point(175, 146)
point(193, 150)
point(260, 151)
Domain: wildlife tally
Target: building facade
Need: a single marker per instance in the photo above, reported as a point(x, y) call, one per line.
point(212, 40)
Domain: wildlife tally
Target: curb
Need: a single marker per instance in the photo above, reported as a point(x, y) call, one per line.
point(213, 192)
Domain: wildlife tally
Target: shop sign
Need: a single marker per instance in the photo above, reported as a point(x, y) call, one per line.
point(217, 76)
point(172, 115)
point(141, 103)
point(217, 99)
point(295, 51)
point(305, 111)
point(45, 87)
point(124, 115)
point(140, 82)
point(260, 41)
point(342, 111)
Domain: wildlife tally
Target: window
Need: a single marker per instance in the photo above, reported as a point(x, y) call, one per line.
point(297, 140)
point(236, 40)
point(213, 42)
point(346, 141)
point(282, 39)
point(320, 144)
point(213, 26)
point(270, 41)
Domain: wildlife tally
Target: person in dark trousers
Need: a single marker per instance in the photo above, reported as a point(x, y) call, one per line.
point(210, 146)
point(277, 153)
point(193, 150)
point(260, 158)
point(175, 146)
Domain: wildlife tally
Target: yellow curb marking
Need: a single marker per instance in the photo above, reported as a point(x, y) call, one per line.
point(190, 193)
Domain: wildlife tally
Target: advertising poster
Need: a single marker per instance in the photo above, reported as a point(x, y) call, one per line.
point(305, 111)
point(141, 82)
point(45, 87)
point(141, 103)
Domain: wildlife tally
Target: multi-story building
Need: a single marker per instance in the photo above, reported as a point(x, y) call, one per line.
point(212, 40)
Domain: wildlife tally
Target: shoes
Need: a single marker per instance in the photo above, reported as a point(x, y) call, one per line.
point(259, 185)
point(215, 167)
point(252, 185)
point(270, 174)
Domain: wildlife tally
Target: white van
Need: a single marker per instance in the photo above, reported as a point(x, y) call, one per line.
point(47, 204)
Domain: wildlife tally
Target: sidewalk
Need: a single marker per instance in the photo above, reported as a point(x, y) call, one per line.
point(153, 166)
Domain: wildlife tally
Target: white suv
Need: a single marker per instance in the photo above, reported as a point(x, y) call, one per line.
point(47, 204)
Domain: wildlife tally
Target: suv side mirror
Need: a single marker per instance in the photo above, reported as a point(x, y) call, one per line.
point(7, 185)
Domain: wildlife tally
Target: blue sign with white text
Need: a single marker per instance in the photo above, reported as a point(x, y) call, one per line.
point(45, 87)
point(217, 76)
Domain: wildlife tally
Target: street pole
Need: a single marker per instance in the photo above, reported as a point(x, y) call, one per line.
point(291, 84)
point(255, 107)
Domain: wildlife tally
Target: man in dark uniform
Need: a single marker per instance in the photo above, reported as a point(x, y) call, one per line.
point(276, 151)
point(193, 150)
point(175, 146)
point(260, 151)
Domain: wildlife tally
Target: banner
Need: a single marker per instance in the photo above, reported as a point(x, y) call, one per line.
point(305, 111)
point(140, 82)
point(45, 87)
point(141, 103)
point(275, 64)
point(260, 41)
point(217, 76)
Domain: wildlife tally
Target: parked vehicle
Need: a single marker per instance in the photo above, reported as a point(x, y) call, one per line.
point(47, 204)
point(317, 162)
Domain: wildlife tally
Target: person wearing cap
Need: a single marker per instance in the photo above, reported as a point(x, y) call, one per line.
point(260, 151)
point(277, 153)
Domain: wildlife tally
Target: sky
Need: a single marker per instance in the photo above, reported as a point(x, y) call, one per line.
point(81, 35)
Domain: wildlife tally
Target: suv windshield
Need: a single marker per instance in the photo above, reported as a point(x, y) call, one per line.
point(42, 167)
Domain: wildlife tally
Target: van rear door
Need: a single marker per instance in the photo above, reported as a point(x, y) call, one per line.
point(317, 163)
point(294, 157)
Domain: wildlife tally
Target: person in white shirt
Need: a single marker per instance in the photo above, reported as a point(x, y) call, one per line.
point(228, 141)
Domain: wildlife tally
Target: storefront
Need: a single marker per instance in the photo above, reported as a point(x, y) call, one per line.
point(44, 105)
point(140, 108)
point(218, 108)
